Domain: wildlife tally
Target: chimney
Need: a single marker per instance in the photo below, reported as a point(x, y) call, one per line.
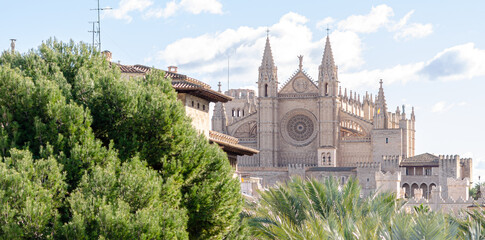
point(12, 44)
point(108, 55)
point(172, 69)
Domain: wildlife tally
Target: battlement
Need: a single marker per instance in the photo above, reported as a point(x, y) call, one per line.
point(457, 182)
point(296, 166)
point(388, 176)
point(241, 93)
point(449, 158)
point(392, 158)
point(296, 169)
point(369, 165)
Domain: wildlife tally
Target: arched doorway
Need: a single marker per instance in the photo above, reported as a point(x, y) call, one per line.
point(431, 187)
point(407, 190)
point(424, 187)
point(413, 187)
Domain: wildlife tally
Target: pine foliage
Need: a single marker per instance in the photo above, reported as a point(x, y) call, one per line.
point(129, 162)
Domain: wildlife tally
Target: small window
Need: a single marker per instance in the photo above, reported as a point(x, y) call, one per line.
point(407, 171)
point(203, 107)
point(243, 113)
point(387, 140)
point(192, 103)
point(367, 179)
point(198, 105)
point(233, 112)
point(266, 90)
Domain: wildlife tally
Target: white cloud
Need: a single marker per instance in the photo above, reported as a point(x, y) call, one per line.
point(442, 106)
point(378, 17)
point(127, 6)
point(460, 62)
point(289, 38)
point(199, 6)
point(190, 6)
point(405, 31)
point(414, 30)
point(456, 63)
point(322, 24)
point(171, 8)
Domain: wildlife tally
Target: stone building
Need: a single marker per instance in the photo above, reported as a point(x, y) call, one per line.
point(196, 96)
point(317, 129)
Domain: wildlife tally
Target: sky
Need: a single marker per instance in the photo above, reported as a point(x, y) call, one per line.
point(430, 54)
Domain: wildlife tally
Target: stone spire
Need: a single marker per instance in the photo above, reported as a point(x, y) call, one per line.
point(268, 61)
point(381, 99)
point(327, 73)
point(219, 119)
point(327, 67)
point(268, 79)
point(381, 115)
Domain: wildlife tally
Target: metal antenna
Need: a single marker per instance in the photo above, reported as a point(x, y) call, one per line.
point(228, 66)
point(228, 56)
point(97, 32)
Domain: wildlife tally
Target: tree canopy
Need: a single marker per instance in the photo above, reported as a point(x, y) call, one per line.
point(119, 156)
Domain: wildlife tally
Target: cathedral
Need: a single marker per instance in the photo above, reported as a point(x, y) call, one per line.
point(317, 129)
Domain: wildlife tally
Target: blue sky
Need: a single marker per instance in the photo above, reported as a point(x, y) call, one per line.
point(430, 54)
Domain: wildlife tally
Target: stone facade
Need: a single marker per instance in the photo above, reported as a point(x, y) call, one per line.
point(315, 129)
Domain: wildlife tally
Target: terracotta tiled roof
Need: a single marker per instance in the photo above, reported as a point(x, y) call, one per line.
point(231, 144)
point(129, 69)
point(142, 68)
point(181, 83)
point(425, 159)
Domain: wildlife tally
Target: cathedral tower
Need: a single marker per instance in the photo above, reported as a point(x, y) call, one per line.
point(328, 107)
point(267, 109)
point(219, 119)
point(381, 118)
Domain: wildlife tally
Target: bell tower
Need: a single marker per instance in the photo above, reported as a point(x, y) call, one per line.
point(328, 108)
point(267, 109)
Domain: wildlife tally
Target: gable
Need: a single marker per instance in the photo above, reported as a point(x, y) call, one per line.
point(300, 83)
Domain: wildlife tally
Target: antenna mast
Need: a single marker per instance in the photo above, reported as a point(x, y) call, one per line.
point(97, 31)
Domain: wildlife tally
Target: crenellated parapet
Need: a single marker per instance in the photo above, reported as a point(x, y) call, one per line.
point(369, 165)
point(391, 162)
point(296, 169)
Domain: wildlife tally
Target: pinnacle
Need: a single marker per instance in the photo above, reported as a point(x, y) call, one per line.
point(327, 54)
point(267, 55)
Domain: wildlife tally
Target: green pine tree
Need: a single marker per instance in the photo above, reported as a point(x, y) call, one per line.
point(65, 101)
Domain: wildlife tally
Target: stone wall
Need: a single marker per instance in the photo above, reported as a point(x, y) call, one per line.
point(198, 110)
point(386, 142)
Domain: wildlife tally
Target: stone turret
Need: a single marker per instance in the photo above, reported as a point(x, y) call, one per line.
point(328, 105)
point(381, 116)
point(267, 109)
point(268, 77)
point(328, 73)
point(219, 119)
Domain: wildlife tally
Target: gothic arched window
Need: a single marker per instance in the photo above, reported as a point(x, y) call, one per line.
point(265, 90)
